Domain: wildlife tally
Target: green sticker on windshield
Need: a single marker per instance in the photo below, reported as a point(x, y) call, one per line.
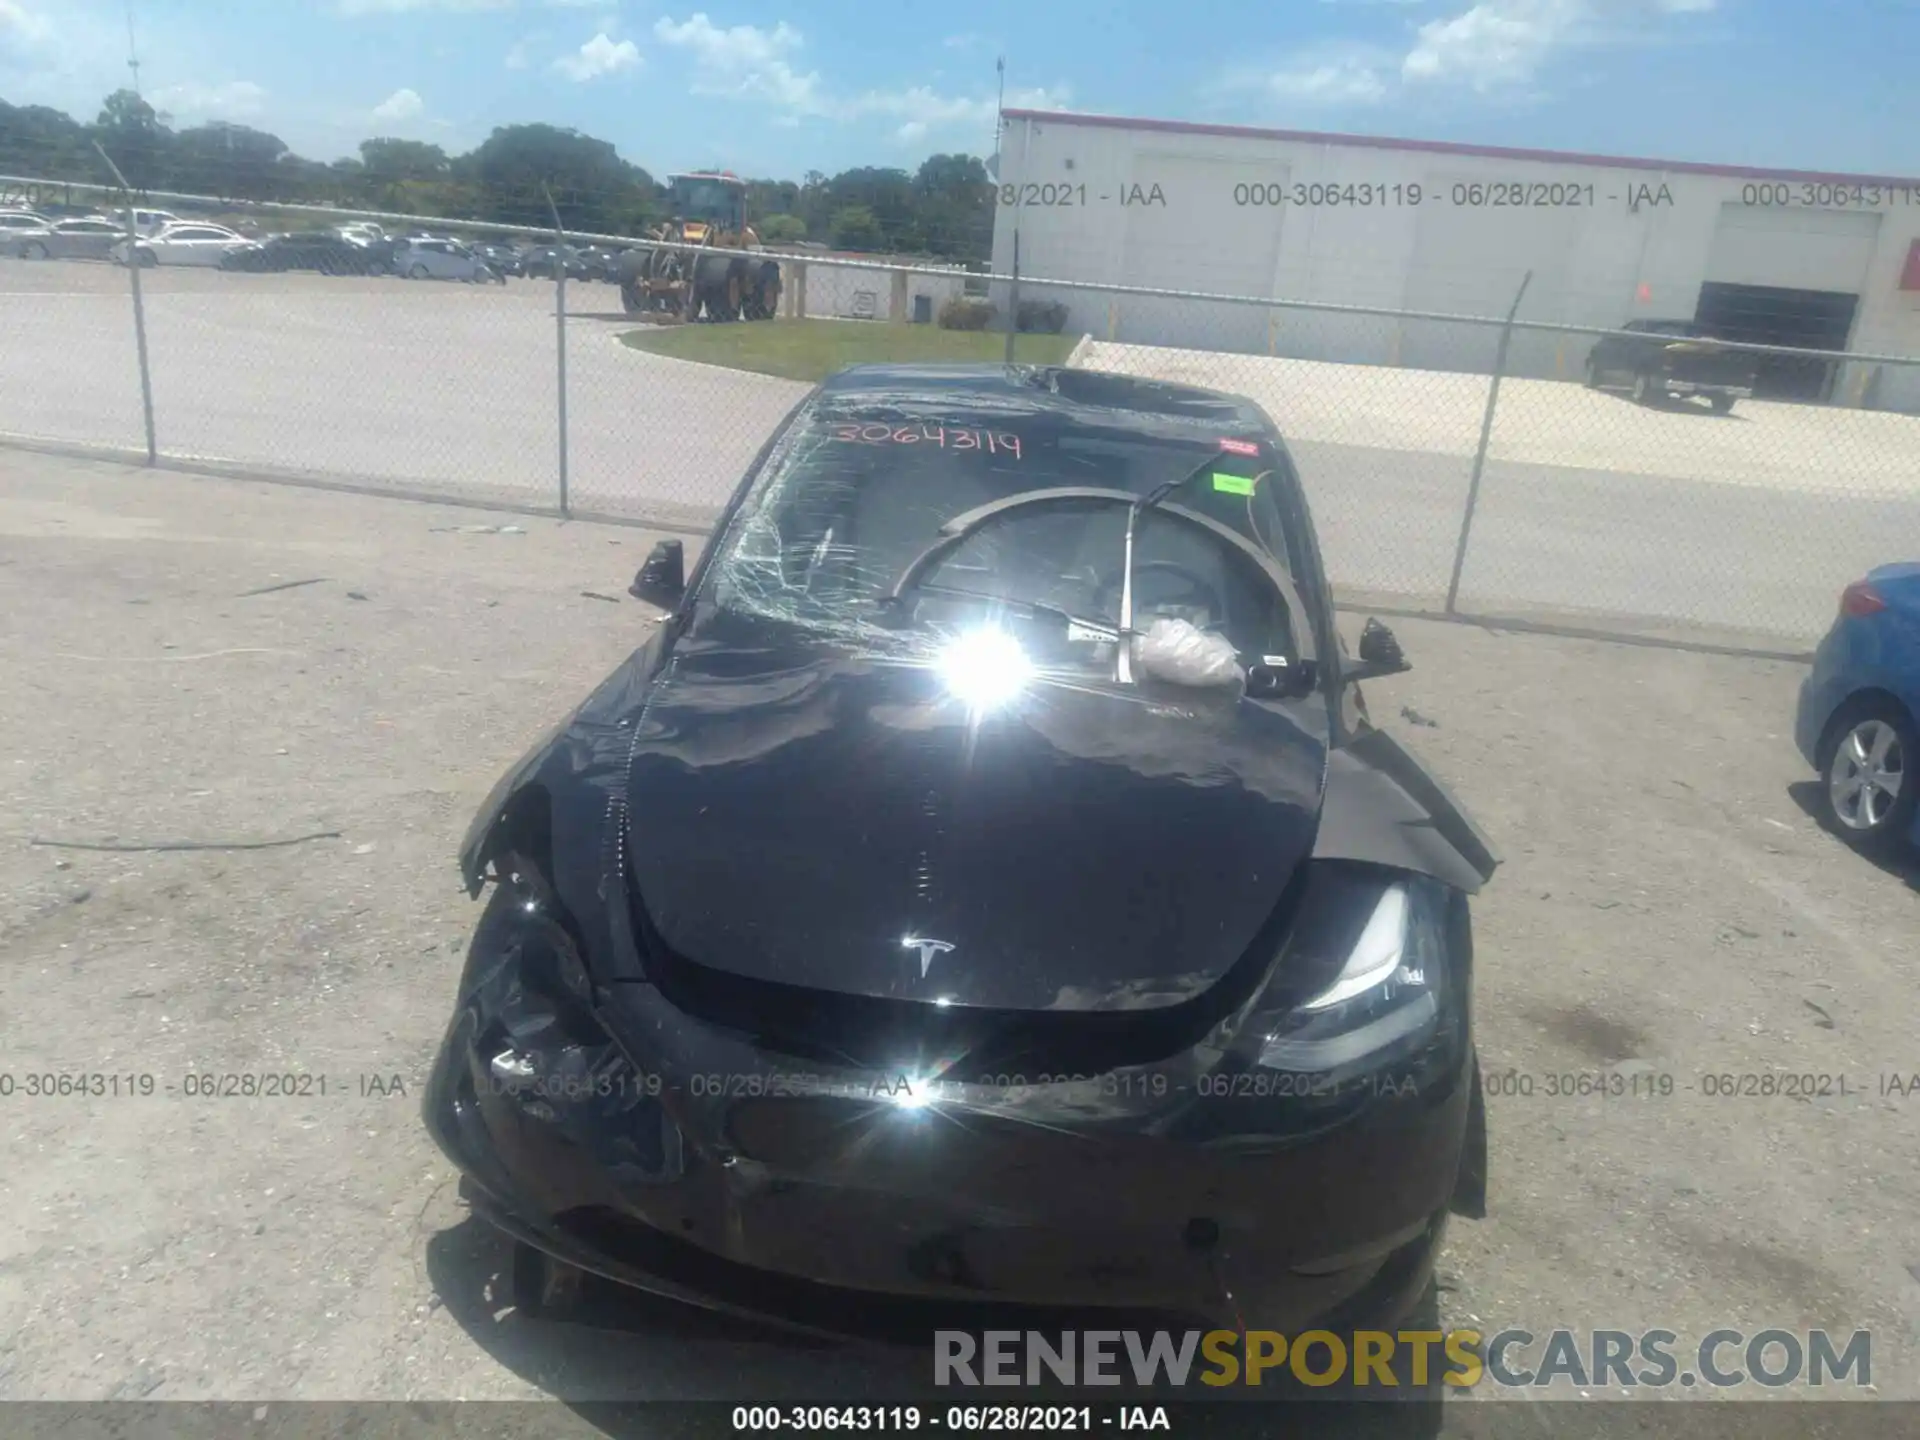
point(1233, 484)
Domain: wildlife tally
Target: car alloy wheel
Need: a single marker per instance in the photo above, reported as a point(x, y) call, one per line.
point(418, 272)
point(33, 250)
point(1868, 790)
point(1642, 392)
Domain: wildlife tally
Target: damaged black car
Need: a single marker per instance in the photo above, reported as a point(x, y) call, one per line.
point(983, 895)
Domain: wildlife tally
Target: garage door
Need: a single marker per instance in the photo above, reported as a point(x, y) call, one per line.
point(1199, 239)
point(1793, 249)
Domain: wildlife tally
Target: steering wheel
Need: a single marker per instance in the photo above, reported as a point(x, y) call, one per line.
point(1198, 587)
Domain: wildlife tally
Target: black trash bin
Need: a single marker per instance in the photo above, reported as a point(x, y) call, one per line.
point(923, 309)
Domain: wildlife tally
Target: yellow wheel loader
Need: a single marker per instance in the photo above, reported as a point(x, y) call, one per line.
point(705, 262)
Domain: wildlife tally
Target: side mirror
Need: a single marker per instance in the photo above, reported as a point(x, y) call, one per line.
point(1380, 654)
point(662, 581)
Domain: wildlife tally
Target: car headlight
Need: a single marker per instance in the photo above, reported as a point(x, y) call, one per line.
point(1372, 948)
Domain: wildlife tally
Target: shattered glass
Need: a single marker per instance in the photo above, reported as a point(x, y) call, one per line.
point(853, 495)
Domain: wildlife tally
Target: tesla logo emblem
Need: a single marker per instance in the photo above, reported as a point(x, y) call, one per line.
point(927, 948)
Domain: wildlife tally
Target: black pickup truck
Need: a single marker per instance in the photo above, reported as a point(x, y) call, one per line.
point(1661, 358)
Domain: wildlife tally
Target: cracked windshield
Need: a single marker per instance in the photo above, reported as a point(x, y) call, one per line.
point(806, 717)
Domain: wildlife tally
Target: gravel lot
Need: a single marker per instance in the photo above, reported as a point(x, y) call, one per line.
point(1667, 906)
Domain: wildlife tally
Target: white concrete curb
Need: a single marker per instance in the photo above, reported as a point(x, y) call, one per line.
point(733, 370)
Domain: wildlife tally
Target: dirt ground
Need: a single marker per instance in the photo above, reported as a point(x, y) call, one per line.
point(1667, 907)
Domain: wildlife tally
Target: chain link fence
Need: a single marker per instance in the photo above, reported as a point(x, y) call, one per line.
point(1468, 465)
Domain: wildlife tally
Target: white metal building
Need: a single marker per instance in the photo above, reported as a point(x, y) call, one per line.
point(867, 287)
point(1821, 261)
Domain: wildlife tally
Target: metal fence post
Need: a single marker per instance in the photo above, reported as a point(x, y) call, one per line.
point(560, 336)
point(139, 308)
point(1480, 455)
point(1013, 299)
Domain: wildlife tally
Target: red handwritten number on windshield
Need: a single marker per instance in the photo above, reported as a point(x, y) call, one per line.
point(928, 434)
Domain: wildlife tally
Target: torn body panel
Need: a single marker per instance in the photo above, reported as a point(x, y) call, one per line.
point(1384, 807)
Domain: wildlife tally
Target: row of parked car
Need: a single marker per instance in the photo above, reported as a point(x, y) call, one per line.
point(162, 238)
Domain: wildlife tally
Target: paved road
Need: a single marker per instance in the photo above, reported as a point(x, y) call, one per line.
point(391, 381)
point(1738, 563)
point(1745, 526)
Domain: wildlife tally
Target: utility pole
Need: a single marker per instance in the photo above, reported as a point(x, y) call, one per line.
point(133, 55)
point(1000, 110)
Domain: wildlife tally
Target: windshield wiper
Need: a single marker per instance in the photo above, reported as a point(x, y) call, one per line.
point(1124, 661)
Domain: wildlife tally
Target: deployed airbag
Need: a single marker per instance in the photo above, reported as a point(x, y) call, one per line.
point(1181, 653)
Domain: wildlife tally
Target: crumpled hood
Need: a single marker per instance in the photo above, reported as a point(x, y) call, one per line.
point(818, 815)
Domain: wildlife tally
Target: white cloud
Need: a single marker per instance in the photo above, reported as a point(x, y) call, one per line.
point(1332, 82)
point(748, 62)
point(583, 4)
point(1496, 44)
point(1492, 47)
point(961, 42)
point(744, 60)
point(517, 57)
point(599, 56)
point(235, 100)
point(17, 22)
point(925, 109)
point(401, 105)
point(405, 7)
point(1505, 44)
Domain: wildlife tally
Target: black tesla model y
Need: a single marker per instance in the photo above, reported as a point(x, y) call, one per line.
point(984, 893)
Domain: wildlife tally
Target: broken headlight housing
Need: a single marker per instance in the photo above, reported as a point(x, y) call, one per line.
point(1370, 953)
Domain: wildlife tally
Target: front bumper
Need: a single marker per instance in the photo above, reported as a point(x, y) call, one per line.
point(626, 1138)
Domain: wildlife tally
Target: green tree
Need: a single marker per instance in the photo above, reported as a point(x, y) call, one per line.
point(388, 161)
point(815, 203)
point(944, 208)
point(226, 160)
point(782, 229)
point(594, 188)
point(766, 198)
point(415, 178)
point(856, 227)
point(888, 196)
point(953, 198)
point(39, 140)
point(311, 183)
point(129, 129)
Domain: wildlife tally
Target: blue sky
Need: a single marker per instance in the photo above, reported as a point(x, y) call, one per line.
point(779, 89)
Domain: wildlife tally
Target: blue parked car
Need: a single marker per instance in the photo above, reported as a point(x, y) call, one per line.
point(1856, 722)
